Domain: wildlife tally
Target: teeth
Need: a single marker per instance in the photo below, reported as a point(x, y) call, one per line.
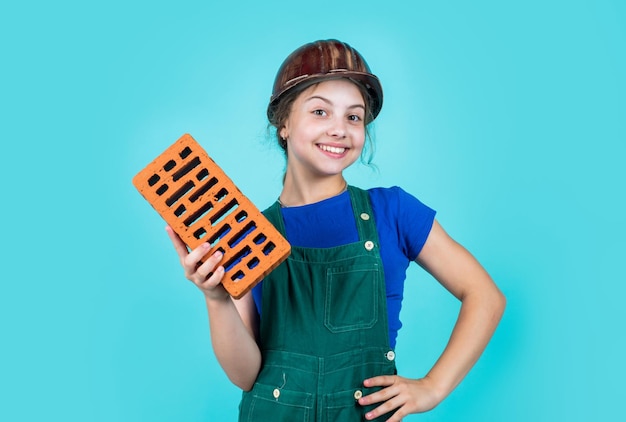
point(334, 150)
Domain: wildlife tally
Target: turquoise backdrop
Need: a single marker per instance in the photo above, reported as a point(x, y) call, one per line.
point(508, 118)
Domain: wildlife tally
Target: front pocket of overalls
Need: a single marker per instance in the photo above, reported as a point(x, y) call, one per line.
point(268, 403)
point(352, 296)
point(344, 406)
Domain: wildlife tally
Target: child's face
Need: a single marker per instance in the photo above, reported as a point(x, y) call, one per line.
point(326, 128)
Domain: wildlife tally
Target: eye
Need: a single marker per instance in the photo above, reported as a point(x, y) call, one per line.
point(354, 118)
point(319, 112)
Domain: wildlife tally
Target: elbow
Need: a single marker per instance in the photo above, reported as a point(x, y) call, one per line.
point(490, 299)
point(244, 376)
point(498, 304)
point(245, 384)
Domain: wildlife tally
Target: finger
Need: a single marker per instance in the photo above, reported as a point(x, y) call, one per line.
point(380, 381)
point(209, 266)
point(387, 407)
point(191, 260)
point(214, 279)
point(179, 245)
point(379, 396)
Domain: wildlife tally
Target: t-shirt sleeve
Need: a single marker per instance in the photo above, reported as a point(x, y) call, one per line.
point(414, 222)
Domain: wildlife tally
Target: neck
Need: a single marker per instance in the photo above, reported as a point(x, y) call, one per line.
point(297, 192)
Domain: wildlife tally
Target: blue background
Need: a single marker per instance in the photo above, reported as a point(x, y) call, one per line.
point(506, 117)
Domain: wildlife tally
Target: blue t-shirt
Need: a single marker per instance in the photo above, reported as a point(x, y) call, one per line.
point(403, 224)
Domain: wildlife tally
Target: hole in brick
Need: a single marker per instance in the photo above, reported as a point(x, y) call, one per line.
point(200, 233)
point(203, 189)
point(169, 165)
point(180, 211)
point(152, 180)
point(268, 248)
point(219, 196)
point(236, 259)
point(253, 262)
point(201, 212)
point(241, 216)
point(162, 189)
point(250, 227)
point(186, 169)
point(202, 174)
point(224, 212)
point(185, 153)
point(237, 276)
point(179, 193)
point(223, 231)
point(259, 239)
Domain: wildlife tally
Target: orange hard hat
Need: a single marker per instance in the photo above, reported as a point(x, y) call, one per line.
point(322, 60)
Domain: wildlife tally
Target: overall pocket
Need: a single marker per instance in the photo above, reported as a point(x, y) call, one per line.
point(352, 296)
point(268, 403)
point(343, 406)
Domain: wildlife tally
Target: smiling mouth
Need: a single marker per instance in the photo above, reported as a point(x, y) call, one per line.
point(334, 150)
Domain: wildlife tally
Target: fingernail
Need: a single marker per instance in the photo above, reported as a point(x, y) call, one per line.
point(218, 254)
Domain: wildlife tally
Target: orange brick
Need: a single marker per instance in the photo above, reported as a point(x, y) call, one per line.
point(201, 204)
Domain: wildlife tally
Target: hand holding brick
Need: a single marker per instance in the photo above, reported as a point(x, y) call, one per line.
point(201, 204)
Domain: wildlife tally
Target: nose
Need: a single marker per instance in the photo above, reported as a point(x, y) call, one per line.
point(337, 128)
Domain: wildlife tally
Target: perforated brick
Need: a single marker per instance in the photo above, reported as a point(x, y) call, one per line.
point(201, 204)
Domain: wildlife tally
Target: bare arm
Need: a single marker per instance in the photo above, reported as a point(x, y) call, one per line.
point(233, 323)
point(482, 305)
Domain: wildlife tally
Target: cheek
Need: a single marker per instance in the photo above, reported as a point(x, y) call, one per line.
point(359, 138)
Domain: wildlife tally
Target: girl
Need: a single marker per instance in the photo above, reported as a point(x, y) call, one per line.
point(315, 340)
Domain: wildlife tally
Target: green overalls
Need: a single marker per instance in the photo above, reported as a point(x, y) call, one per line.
point(323, 329)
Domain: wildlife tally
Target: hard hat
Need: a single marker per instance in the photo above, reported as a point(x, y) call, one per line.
point(322, 60)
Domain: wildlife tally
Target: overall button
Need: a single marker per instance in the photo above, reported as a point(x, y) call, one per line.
point(365, 216)
point(358, 394)
point(369, 245)
point(390, 355)
point(276, 393)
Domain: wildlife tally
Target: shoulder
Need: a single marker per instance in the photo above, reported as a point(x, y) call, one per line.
point(396, 200)
point(400, 213)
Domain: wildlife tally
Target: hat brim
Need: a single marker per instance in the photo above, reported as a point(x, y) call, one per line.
point(367, 80)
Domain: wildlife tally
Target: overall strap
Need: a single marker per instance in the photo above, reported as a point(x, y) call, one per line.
point(275, 217)
point(363, 215)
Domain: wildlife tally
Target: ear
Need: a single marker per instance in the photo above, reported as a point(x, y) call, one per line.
point(284, 134)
